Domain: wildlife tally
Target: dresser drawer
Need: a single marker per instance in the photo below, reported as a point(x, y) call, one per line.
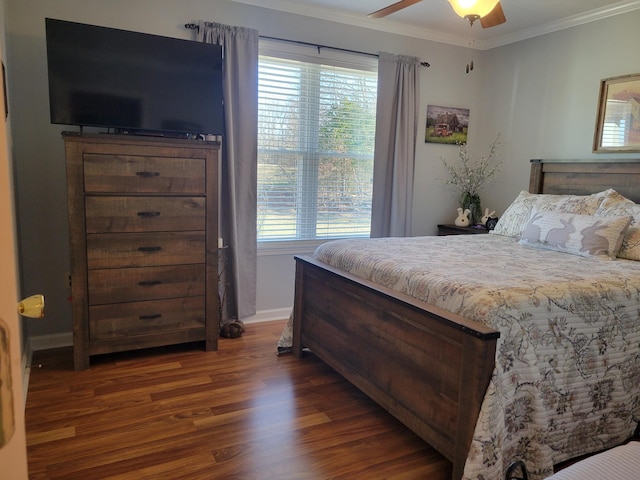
point(143, 174)
point(142, 318)
point(116, 250)
point(121, 285)
point(144, 214)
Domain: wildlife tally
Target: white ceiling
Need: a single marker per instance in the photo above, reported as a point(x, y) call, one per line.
point(435, 19)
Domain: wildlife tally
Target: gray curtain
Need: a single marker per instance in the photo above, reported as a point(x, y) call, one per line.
point(239, 161)
point(396, 133)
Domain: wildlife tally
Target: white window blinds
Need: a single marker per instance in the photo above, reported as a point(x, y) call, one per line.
point(316, 126)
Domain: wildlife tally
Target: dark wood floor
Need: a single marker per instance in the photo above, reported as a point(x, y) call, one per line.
point(239, 413)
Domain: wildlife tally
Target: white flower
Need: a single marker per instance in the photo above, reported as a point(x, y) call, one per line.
point(469, 177)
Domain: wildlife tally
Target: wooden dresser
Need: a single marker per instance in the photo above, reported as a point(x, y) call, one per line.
point(143, 231)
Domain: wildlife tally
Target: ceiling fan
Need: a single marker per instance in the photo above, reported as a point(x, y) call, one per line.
point(489, 12)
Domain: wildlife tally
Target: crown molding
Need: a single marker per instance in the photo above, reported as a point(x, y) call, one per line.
point(388, 26)
point(398, 28)
point(568, 22)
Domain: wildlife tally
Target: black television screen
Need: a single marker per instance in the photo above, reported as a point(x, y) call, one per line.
point(132, 82)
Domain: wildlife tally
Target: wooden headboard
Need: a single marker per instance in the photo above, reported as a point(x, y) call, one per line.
point(582, 177)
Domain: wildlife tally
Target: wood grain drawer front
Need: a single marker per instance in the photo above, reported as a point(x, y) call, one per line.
point(144, 214)
point(143, 174)
point(145, 283)
point(116, 250)
point(142, 318)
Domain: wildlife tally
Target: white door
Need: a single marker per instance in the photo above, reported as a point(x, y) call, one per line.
point(13, 455)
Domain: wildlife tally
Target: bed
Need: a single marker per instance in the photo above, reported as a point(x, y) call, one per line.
point(487, 366)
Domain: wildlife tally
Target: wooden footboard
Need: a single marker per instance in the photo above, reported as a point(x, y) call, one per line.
point(427, 367)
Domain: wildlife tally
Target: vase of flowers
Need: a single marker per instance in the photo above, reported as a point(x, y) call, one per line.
point(469, 177)
point(471, 202)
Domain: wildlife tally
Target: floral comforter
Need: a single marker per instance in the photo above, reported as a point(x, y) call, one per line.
point(567, 374)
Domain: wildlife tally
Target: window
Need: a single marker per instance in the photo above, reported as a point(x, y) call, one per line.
point(316, 128)
point(615, 132)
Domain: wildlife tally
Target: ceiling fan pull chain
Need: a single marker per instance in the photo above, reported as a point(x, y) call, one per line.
point(473, 47)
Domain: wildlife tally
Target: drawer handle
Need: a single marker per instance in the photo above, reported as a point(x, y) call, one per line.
point(150, 317)
point(148, 174)
point(149, 283)
point(148, 214)
point(149, 249)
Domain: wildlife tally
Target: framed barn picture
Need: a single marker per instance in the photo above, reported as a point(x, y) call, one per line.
point(446, 125)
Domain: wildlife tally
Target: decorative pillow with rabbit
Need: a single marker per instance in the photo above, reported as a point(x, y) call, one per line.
point(584, 235)
point(516, 216)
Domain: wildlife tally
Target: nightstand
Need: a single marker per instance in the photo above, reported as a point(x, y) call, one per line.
point(455, 230)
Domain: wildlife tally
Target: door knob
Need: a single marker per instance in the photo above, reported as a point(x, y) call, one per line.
point(32, 306)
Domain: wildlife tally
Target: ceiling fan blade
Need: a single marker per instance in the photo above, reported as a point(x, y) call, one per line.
point(383, 12)
point(494, 17)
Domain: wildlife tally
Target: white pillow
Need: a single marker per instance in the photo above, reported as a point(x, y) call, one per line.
point(616, 206)
point(516, 216)
point(584, 235)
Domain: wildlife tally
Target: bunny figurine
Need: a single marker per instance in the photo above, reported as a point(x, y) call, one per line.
point(487, 215)
point(463, 218)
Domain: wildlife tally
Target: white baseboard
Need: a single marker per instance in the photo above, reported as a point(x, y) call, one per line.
point(269, 315)
point(58, 340)
point(46, 342)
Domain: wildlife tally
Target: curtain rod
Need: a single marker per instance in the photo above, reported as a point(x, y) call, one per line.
point(194, 26)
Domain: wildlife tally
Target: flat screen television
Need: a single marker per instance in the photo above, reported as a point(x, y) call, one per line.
point(133, 82)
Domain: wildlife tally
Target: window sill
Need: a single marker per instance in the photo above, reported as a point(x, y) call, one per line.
point(295, 247)
point(288, 248)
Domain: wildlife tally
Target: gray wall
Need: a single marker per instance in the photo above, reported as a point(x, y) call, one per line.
point(540, 94)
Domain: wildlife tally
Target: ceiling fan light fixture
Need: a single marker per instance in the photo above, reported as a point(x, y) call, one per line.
point(473, 9)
